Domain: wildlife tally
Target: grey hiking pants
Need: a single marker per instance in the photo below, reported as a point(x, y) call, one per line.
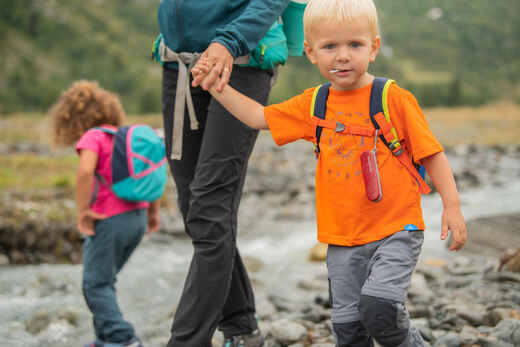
point(369, 285)
point(209, 180)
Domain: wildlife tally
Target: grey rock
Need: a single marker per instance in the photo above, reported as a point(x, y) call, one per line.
point(448, 340)
point(468, 335)
point(474, 315)
point(508, 331)
point(419, 288)
point(4, 260)
point(288, 332)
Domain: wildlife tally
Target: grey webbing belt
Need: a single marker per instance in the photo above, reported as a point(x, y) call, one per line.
point(185, 61)
point(182, 96)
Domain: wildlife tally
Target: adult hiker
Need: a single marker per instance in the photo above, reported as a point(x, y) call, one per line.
point(208, 151)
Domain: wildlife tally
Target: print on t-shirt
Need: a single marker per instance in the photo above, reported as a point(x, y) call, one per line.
point(344, 150)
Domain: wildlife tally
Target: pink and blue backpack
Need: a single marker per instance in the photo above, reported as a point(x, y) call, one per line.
point(137, 165)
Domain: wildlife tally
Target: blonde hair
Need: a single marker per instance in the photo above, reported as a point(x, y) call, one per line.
point(339, 11)
point(83, 106)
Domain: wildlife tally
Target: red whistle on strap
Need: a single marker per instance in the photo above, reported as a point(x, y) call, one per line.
point(371, 176)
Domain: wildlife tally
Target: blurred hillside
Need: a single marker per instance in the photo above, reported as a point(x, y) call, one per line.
point(447, 52)
point(50, 43)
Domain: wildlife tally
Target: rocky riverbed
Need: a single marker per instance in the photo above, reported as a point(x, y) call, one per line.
point(456, 299)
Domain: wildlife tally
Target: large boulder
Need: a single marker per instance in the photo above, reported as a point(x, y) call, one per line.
point(39, 229)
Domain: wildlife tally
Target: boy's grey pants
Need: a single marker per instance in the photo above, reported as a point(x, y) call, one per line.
point(369, 285)
point(209, 181)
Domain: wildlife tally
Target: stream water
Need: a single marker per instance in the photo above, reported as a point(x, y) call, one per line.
point(151, 283)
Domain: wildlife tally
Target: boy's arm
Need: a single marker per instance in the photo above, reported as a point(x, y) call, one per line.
point(440, 172)
point(245, 109)
point(84, 183)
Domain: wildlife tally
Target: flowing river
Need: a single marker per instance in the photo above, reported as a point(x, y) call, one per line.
point(150, 285)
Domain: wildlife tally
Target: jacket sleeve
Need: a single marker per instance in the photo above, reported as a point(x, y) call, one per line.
point(243, 34)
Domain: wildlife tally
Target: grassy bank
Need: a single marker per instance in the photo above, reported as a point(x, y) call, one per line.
point(28, 163)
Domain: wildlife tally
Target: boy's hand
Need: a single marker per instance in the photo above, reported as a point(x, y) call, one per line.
point(219, 65)
point(86, 221)
point(452, 220)
point(201, 74)
point(199, 71)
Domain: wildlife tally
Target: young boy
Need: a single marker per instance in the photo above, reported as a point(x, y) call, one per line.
point(373, 246)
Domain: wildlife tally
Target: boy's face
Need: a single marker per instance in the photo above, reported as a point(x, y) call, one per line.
point(343, 52)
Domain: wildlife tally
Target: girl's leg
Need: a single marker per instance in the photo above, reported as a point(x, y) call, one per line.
point(101, 264)
point(129, 237)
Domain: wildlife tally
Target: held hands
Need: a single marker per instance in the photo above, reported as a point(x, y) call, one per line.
point(214, 66)
point(452, 220)
point(86, 219)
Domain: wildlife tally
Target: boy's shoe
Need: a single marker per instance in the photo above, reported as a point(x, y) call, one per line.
point(135, 342)
point(255, 339)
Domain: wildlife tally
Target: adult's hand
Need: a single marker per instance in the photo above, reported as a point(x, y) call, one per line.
point(220, 64)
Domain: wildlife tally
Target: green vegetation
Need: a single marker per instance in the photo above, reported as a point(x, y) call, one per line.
point(447, 52)
point(32, 170)
point(49, 44)
point(29, 172)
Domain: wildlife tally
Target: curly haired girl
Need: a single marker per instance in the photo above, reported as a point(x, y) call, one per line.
point(113, 227)
point(81, 107)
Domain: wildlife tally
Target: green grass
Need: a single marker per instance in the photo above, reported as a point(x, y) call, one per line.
point(28, 172)
point(25, 127)
point(55, 169)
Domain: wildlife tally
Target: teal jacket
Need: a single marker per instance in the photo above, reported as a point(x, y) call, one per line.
point(191, 25)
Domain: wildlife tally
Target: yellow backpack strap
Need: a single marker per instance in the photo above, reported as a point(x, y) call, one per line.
point(380, 117)
point(379, 105)
point(319, 109)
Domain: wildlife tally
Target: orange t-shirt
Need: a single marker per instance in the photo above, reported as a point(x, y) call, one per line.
point(345, 216)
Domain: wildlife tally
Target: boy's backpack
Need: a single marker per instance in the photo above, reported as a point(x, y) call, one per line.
point(380, 117)
point(137, 165)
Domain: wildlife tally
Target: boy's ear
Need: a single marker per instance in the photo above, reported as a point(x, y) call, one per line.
point(309, 52)
point(375, 48)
